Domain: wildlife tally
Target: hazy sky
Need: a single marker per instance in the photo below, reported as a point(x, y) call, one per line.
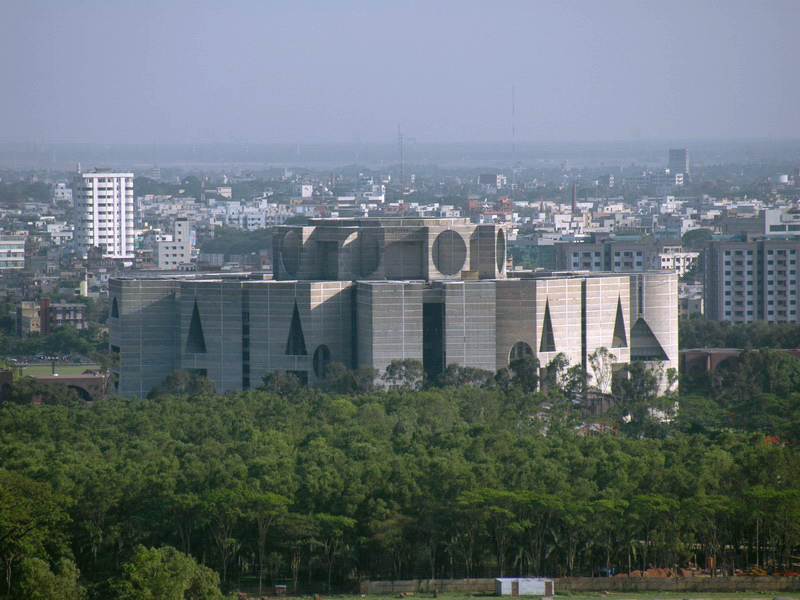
point(115, 71)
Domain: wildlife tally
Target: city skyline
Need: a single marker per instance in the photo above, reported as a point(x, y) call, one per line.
point(443, 71)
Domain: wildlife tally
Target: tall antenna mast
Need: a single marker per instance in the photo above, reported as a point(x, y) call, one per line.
point(513, 121)
point(400, 145)
point(513, 133)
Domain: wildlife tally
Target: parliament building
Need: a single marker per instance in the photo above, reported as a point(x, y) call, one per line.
point(370, 291)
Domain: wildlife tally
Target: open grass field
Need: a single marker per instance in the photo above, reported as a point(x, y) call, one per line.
point(60, 369)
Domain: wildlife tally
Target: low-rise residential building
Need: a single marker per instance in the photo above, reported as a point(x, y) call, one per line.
point(176, 249)
point(675, 258)
point(43, 316)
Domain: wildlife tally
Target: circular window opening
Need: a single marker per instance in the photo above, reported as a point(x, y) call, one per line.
point(519, 350)
point(449, 252)
point(290, 253)
point(500, 250)
point(321, 360)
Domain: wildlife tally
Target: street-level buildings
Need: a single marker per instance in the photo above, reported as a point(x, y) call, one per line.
point(43, 316)
point(371, 291)
point(103, 203)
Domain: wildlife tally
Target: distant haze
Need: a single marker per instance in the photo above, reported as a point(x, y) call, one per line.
point(343, 71)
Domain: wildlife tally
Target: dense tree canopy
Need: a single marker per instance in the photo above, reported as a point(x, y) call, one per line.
point(235, 241)
point(699, 333)
point(314, 488)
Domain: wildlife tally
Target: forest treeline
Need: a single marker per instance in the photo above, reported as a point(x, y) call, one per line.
point(696, 332)
point(469, 477)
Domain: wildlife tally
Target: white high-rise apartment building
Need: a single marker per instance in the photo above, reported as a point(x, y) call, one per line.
point(104, 212)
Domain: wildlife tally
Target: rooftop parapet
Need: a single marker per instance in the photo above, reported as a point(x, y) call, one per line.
point(386, 248)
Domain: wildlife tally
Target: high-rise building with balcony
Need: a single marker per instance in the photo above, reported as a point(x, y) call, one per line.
point(103, 203)
point(12, 251)
point(752, 280)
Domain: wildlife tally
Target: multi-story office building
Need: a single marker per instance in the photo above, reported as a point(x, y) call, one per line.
point(104, 213)
point(679, 161)
point(370, 291)
point(656, 180)
point(751, 280)
point(616, 255)
point(12, 251)
point(621, 255)
point(768, 221)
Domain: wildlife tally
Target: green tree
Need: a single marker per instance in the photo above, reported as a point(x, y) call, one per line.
point(405, 374)
point(556, 372)
point(695, 238)
point(651, 512)
point(265, 508)
point(366, 377)
point(27, 390)
point(223, 508)
point(339, 379)
point(525, 372)
point(235, 241)
point(390, 536)
point(185, 382)
point(282, 383)
point(636, 392)
point(166, 574)
point(38, 582)
point(299, 533)
point(332, 530)
point(539, 512)
point(601, 362)
point(457, 376)
point(31, 517)
point(499, 508)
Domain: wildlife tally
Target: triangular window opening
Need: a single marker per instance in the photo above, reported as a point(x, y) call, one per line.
point(296, 344)
point(620, 339)
point(548, 343)
point(114, 308)
point(196, 341)
point(644, 344)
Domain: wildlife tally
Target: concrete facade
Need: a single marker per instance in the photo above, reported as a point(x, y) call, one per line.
point(339, 296)
point(176, 250)
point(619, 256)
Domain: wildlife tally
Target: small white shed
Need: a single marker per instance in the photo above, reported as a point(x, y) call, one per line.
point(523, 586)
